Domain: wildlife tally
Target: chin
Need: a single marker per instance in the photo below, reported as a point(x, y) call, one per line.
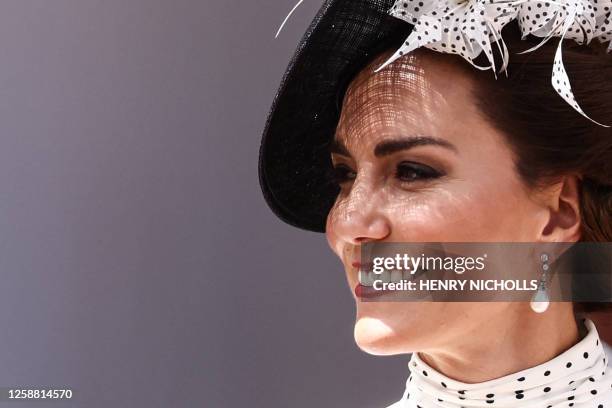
point(374, 337)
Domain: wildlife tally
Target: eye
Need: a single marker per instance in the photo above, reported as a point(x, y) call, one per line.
point(342, 174)
point(410, 171)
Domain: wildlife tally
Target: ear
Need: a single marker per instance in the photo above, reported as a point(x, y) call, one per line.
point(563, 207)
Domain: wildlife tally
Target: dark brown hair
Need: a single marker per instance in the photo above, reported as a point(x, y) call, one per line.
point(549, 137)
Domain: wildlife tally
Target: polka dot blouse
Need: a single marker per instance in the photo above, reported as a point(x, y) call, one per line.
point(578, 378)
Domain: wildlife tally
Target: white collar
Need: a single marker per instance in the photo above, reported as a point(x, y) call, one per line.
point(578, 378)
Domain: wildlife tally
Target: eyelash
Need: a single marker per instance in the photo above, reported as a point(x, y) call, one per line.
point(405, 172)
point(340, 174)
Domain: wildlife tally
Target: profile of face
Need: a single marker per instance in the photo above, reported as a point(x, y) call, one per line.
point(418, 162)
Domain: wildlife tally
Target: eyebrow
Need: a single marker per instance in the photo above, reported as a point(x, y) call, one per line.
point(390, 146)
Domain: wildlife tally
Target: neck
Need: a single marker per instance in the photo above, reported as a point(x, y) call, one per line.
point(510, 344)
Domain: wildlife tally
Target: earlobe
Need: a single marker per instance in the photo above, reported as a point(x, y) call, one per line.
point(564, 212)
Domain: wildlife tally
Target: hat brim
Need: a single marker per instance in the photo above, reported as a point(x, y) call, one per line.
point(295, 170)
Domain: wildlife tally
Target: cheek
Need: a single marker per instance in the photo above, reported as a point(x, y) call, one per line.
point(333, 240)
point(462, 211)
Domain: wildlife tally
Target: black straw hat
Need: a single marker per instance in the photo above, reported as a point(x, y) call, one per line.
point(294, 162)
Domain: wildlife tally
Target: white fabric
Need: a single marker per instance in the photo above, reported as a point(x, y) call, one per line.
point(578, 378)
point(470, 28)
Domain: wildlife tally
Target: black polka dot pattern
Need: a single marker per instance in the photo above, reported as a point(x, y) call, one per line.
point(578, 377)
point(466, 28)
point(470, 28)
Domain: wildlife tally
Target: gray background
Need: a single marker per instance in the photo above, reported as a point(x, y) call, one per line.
point(140, 265)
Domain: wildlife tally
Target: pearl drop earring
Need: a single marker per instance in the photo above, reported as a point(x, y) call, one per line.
point(540, 301)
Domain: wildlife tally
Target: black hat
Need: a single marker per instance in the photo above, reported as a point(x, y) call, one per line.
point(294, 161)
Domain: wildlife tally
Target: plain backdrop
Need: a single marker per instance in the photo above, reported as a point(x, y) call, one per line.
point(140, 264)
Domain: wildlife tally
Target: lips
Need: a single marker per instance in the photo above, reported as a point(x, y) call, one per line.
point(365, 290)
point(365, 287)
point(368, 292)
point(360, 265)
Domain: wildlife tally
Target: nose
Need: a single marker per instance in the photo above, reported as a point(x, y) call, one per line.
point(361, 231)
point(360, 218)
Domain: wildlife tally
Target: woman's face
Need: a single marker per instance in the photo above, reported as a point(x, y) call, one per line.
point(417, 162)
